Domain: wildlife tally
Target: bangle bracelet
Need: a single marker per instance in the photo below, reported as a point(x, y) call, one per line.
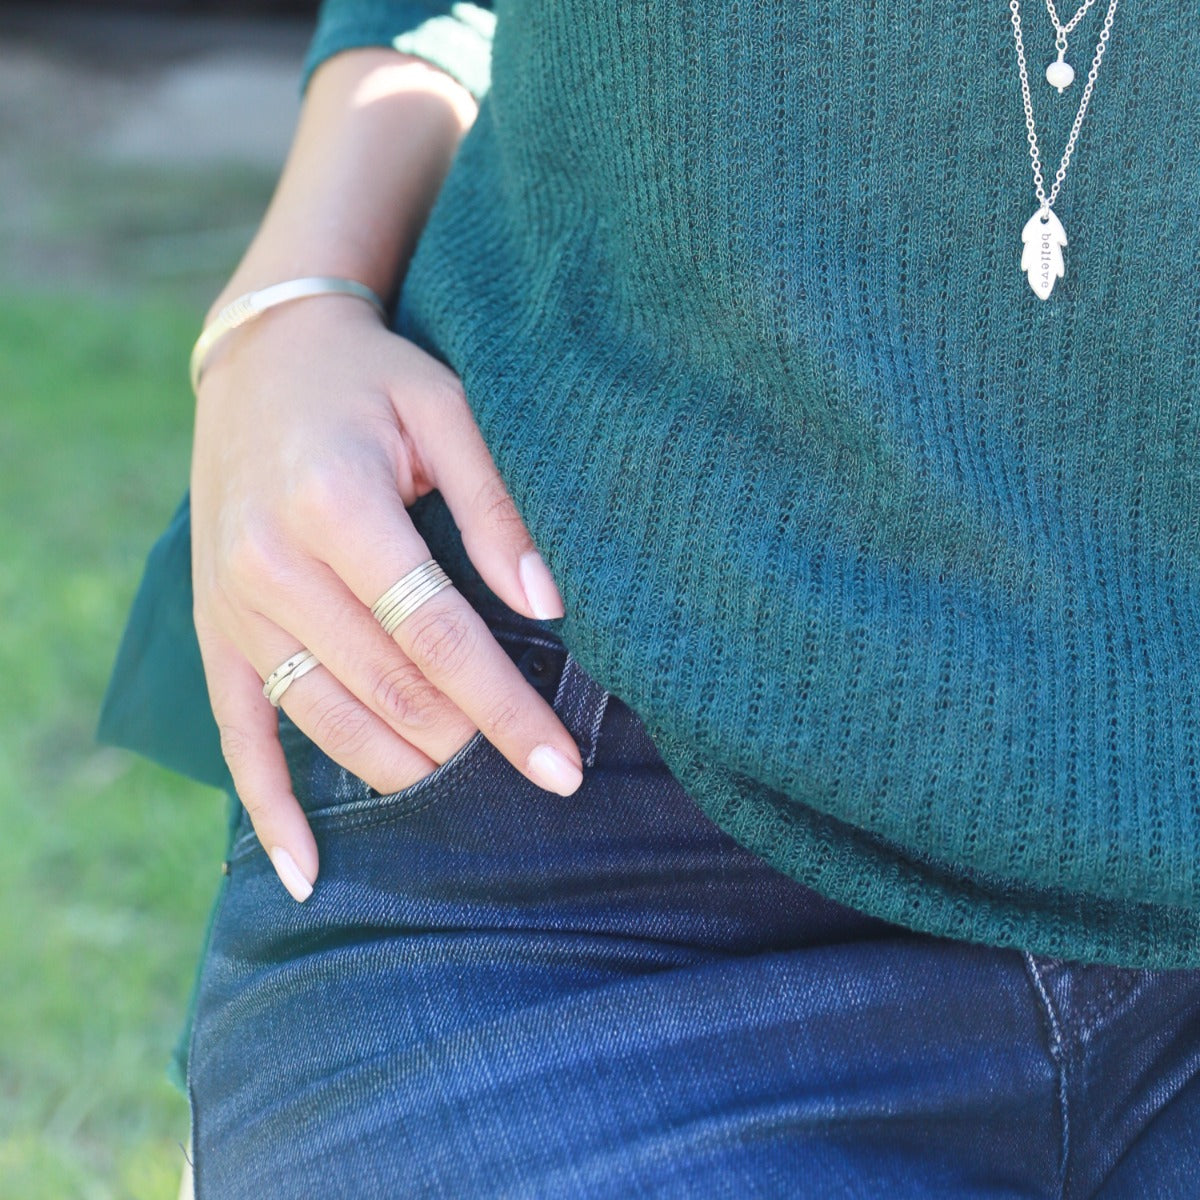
point(254, 304)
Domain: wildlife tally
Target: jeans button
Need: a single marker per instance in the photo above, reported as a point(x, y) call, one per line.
point(541, 666)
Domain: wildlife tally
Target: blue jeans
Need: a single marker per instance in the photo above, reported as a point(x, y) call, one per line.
point(495, 991)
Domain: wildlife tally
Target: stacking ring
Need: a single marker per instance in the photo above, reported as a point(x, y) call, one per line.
point(408, 593)
point(287, 673)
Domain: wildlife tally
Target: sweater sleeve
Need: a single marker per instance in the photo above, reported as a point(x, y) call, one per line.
point(454, 36)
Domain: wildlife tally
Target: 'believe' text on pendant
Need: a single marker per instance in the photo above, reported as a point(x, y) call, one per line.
point(1042, 258)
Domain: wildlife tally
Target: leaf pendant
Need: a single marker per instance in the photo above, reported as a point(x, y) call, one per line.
point(1042, 258)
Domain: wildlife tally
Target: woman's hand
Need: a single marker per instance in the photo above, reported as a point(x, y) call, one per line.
point(315, 427)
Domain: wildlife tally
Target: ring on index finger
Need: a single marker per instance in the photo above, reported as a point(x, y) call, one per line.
point(408, 593)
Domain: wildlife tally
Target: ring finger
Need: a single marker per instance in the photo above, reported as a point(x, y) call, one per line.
point(349, 732)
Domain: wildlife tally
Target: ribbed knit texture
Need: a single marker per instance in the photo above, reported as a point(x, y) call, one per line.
point(899, 564)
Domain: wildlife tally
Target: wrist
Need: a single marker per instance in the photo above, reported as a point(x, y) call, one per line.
point(267, 266)
point(249, 307)
point(377, 134)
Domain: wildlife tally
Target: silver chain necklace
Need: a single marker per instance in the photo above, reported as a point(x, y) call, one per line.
point(1060, 73)
point(1043, 234)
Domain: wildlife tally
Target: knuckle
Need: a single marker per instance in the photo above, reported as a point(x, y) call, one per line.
point(405, 697)
point(440, 394)
point(503, 718)
point(496, 505)
point(235, 745)
point(441, 640)
point(322, 496)
point(251, 558)
point(342, 728)
point(447, 388)
point(256, 808)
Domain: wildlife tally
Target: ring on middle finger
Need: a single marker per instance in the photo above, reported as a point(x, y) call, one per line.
point(408, 593)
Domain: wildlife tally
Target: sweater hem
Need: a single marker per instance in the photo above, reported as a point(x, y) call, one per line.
point(865, 872)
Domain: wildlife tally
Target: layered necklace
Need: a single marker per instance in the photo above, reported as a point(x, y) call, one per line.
point(1043, 235)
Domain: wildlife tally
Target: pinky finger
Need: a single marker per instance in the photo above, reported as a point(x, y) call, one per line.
point(250, 743)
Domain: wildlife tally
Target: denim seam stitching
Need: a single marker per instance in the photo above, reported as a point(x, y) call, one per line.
point(1102, 1005)
point(246, 845)
point(1059, 1055)
point(385, 812)
point(591, 702)
point(398, 812)
point(594, 737)
point(189, 1075)
point(560, 692)
point(368, 804)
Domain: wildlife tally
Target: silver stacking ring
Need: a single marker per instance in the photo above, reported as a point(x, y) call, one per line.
point(408, 593)
point(287, 673)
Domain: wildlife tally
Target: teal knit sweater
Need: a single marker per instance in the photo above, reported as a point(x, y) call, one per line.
point(899, 564)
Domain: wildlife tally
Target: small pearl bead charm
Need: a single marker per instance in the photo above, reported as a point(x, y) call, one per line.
point(1060, 74)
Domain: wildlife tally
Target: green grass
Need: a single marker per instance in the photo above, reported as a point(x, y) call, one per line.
point(107, 864)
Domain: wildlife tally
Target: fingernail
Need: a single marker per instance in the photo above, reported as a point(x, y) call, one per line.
point(290, 875)
point(540, 589)
point(554, 770)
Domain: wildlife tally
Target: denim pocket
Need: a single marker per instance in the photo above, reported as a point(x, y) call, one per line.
point(350, 797)
point(332, 796)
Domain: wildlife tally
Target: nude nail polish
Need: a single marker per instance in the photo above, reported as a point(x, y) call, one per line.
point(554, 771)
point(290, 875)
point(540, 589)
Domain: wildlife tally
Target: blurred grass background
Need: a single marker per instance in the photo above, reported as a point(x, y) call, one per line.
point(118, 223)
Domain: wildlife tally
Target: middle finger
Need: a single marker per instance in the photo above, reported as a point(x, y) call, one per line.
point(323, 615)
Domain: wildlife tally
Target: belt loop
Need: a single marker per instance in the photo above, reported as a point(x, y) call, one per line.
point(580, 703)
